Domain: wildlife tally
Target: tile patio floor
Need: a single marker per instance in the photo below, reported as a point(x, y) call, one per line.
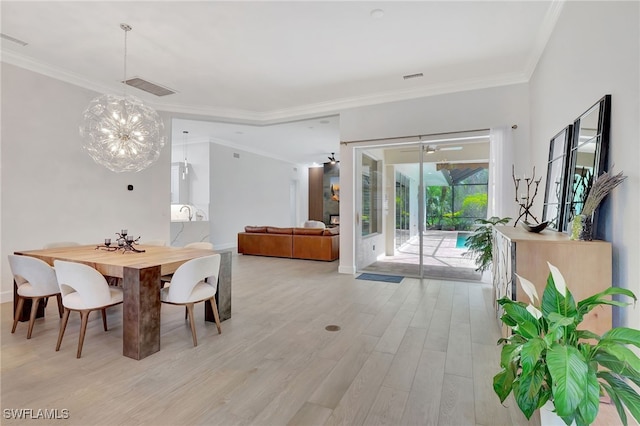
point(441, 258)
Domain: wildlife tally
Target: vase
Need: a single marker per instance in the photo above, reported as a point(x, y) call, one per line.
point(581, 228)
point(548, 416)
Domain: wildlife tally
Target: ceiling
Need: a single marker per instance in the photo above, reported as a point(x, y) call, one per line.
point(264, 63)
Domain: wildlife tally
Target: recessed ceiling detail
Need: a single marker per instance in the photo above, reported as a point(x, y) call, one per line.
point(377, 13)
point(240, 77)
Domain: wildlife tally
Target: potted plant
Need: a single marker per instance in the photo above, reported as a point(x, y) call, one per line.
point(480, 242)
point(548, 358)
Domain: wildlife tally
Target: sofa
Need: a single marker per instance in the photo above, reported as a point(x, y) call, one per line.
point(294, 243)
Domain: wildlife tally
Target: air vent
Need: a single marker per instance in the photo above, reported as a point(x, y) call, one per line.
point(149, 87)
point(13, 39)
point(408, 76)
point(236, 155)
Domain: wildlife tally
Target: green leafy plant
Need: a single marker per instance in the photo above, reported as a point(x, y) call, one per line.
point(475, 205)
point(547, 358)
point(480, 243)
point(450, 220)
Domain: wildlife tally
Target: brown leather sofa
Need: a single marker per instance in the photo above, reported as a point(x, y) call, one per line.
point(295, 243)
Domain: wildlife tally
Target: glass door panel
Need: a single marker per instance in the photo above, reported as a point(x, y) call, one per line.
point(415, 208)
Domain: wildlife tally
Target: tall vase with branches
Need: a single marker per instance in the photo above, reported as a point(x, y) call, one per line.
point(581, 228)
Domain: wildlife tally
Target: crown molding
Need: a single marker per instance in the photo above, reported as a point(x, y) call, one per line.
point(286, 114)
point(544, 34)
point(30, 64)
point(251, 150)
point(335, 106)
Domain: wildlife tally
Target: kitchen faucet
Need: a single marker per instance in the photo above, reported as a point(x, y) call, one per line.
point(188, 208)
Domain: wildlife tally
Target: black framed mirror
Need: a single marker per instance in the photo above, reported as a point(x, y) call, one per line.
point(553, 208)
point(587, 158)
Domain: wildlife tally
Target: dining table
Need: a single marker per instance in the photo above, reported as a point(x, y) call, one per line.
point(140, 273)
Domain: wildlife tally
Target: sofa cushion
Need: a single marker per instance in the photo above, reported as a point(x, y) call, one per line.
point(308, 231)
point(314, 224)
point(263, 244)
point(275, 230)
point(254, 229)
point(331, 231)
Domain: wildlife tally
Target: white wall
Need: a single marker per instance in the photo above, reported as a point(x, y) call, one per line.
point(51, 189)
point(470, 110)
point(199, 176)
point(250, 190)
point(581, 63)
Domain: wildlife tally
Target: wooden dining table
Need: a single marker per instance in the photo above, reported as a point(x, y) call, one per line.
point(140, 274)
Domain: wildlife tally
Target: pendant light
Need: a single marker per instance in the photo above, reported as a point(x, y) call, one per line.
point(185, 171)
point(119, 131)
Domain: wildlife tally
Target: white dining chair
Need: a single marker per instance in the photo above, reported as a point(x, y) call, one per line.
point(35, 280)
point(197, 245)
point(195, 281)
point(200, 245)
point(84, 290)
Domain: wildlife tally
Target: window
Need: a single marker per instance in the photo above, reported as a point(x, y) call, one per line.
point(459, 205)
point(371, 196)
point(403, 213)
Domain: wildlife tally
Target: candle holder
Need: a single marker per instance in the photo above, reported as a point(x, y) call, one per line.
point(124, 242)
point(526, 199)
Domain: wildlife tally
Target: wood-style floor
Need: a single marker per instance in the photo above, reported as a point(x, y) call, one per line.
point(414, 353)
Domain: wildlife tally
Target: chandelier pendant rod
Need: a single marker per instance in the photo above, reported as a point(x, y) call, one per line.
point(126, 28)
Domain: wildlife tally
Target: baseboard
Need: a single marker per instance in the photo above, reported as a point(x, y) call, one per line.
point(351, 270)
point(6, 296)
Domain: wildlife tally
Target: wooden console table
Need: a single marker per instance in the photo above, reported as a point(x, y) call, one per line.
point(585, 265)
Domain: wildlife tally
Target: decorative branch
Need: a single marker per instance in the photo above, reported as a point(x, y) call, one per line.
point(526, 201)
point(603, 185)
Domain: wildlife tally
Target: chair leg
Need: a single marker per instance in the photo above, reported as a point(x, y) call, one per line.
point(32, 318)
point(193, 324)
point(215, 314)
point(84, 315)
point(104, 319)
point(18, 313)
point(63, 326)
point(60, 307)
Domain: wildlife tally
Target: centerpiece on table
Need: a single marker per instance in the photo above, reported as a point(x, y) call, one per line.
point(124, 242)
point(548, 361)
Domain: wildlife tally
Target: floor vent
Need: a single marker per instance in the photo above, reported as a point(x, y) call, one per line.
point(149, 87)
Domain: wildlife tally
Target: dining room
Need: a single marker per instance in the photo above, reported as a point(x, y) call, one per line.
point(300, 348)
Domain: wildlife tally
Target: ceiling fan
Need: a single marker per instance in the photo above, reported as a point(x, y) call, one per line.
point(332, 158)
point(429, 149)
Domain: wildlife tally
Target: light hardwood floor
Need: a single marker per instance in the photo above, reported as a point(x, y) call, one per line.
point(414, 353)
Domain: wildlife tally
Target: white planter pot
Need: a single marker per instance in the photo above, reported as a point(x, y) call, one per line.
point(549, 418)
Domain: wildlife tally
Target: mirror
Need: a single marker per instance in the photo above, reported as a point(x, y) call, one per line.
point(552, 210)
point(588, 157)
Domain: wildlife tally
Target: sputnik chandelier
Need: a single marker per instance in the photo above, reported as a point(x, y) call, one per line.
point(119, 131)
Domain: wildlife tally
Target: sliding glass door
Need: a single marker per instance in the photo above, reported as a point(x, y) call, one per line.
point(415, 205)
point(390, 210)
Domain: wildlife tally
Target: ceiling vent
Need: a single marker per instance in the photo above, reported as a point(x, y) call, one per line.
point(149, 87)
point(408, 76)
